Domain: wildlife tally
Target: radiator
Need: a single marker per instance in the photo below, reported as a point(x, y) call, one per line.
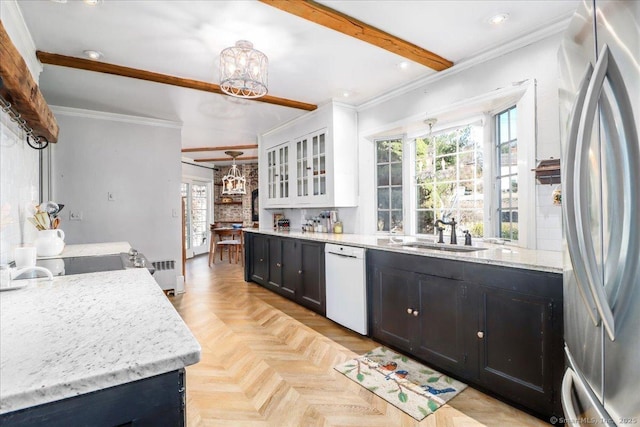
point(167, 277)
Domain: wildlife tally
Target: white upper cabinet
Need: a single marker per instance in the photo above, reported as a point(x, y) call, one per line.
point(312, 161)
point(278, 173)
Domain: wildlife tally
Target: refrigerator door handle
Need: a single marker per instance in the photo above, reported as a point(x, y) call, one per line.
point(570, 212)
point(585, 241)
point(573, 377)
point(606, 67)
point(626, 257)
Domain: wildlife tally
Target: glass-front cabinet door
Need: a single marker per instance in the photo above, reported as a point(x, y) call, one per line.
point(278, 173)
point(311, 166)
point(318, 163)
point(302, 167)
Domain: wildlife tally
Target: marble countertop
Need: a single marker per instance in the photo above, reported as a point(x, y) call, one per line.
point(504, 255)
point(86, 332)
point(92, 249)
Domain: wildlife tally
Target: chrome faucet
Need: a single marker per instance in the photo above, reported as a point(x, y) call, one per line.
point(452, 223)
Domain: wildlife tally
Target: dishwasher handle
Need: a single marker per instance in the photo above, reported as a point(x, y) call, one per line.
point(342, 255)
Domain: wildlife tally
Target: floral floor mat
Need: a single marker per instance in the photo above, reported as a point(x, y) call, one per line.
point(404, 383)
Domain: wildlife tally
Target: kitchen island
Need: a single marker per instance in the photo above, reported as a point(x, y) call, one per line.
point(87, 346)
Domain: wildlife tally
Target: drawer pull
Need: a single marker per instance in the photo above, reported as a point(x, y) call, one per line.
point(299, 271)
point(415, 313)
point(278, 264)
point(409, 310)
point(480, 334)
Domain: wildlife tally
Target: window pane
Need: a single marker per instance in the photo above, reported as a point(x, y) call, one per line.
point(446, 168)
point(383, 220)
point(396, 197)
point(396, 151)
point(382, 152)
point(383, 198)
point(396, 221)
point(424, 196)
point(424, 222)
point(383, 175)
point(396, 174)
point(503, 128)
point(513, 128)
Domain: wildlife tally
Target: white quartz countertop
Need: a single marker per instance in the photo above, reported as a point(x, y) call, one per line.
point(86, 332)
point(504, 255)
point(92, 249)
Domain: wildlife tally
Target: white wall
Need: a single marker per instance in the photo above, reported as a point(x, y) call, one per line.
point(19, 177)
point(19, 185)
point(537, 61)
point(135, 159)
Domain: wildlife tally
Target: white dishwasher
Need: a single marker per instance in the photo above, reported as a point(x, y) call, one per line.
point(346, 286)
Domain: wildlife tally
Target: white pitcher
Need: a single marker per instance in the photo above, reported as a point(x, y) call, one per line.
point(49, 242)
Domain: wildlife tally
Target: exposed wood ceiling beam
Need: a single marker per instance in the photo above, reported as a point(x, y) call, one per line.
point(227, 159)
point(221, 148)
point(330, 18)
point(134, 73)
point(19, 89)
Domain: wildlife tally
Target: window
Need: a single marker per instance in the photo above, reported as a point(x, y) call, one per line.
point(507, 174)
point(389, 185)
point(449, 180)
point(197, 197)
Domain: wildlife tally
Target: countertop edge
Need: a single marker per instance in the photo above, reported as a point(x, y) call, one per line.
point(356, 240)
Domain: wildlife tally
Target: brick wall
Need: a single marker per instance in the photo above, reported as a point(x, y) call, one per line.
point(240, 210)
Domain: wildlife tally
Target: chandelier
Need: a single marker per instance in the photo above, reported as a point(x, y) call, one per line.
point(243, 71)
point(234, 183)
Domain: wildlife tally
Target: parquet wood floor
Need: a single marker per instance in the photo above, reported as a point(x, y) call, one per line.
point(268, 362)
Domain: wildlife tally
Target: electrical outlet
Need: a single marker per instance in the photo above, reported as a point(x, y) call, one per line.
point(111, 196)
point(75, 215)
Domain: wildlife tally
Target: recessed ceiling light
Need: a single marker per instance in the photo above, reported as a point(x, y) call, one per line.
point(403, 65)
point(499, 18)
point(346, 94)
point(93, 54)
point(92, 2)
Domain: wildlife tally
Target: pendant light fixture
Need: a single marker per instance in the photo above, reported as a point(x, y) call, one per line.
point(234, 183)
point(243, 71)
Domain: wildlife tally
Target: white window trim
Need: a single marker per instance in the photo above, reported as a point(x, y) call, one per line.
point(191, 179)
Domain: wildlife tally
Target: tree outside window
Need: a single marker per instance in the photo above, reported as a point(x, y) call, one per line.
point(449, 180)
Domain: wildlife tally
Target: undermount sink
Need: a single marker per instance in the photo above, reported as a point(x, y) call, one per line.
point(443, 247)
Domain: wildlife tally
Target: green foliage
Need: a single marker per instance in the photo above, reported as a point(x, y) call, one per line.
point(507, 232)
point(433, 405)
point(360, 377)
point(477, 229)
point(402, 397)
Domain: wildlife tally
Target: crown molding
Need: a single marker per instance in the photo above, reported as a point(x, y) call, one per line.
point(487, 55)
point(16, 27)
point(123, 118)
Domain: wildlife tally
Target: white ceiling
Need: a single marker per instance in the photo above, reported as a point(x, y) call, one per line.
point(307, 62)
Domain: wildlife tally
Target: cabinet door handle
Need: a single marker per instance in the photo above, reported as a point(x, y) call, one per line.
point(480, 334)
point(299, 271)
point(261, 259)
point(415, 313)
point(278, 264)
point(409, 310)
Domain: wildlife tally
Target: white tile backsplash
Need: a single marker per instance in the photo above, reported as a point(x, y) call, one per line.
point(548, 220)
point(19, 187)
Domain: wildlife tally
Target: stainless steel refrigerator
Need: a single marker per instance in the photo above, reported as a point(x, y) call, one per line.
point(599, 115)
